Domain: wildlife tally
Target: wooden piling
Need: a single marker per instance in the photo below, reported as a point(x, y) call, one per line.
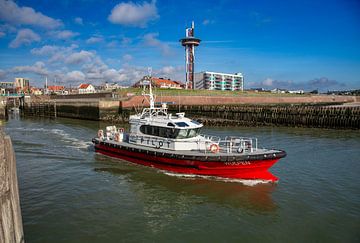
point(11, 229)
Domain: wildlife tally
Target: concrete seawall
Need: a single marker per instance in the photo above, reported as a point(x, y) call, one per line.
point(87, 109)
point(216, 100)
point(307, 111)
point(11, 229)
point(285, 115)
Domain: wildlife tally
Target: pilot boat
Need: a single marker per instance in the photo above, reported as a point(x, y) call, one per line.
point(173, 143)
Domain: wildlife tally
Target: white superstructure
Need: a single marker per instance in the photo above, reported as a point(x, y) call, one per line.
point(154, 127)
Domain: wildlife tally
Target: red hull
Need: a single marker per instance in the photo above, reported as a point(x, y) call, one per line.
point(250, 170)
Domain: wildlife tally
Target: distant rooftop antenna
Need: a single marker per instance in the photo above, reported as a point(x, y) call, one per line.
point(46, 85)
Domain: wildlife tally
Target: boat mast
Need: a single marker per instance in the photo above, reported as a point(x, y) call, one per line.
point(150, 94)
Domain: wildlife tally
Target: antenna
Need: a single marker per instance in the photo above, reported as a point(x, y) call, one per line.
point(151, 95)
point(46, 85)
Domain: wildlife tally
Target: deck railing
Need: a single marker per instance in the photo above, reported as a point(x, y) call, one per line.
point(229, 144)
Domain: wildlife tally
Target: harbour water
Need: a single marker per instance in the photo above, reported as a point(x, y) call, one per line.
point(70, 194)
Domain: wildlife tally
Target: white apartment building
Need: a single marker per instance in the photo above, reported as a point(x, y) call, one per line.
point(219, 81)
point(21, 83)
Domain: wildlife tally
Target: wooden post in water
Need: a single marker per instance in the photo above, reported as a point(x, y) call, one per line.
point(11, 229)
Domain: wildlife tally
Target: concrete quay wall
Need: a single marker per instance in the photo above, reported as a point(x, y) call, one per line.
point(216, 100)
point(286, 115)
point(308, 111)
point(87, 109)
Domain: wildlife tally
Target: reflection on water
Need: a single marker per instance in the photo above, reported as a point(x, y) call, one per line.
point(167, 199)
point(257, 197)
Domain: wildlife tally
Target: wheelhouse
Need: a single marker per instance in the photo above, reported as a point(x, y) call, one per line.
point(170, 131)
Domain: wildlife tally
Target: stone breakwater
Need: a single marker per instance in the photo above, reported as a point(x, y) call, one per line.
point(310, 111)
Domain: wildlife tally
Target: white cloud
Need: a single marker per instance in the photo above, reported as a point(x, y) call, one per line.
point(207, 22)
point(56, 53)
point(132, 14)
point(112, 44)
point(79, 57)
point(167, 70)
point(11, 13)
point(268, 82)
point(78, 21)
point(64, 34)
point(2, 74)
point(126, 41)
point(94, 40)
point(127, 57)
point(175, 73)
point(45, 50)
point(24, 37)
point(37, 68)
point(151, 40)
point(2, 34)
point(321, 84)
point(74, 76)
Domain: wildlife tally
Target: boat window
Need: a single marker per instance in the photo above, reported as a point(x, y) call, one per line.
point(167, 132)
point(191, 133)
point(182, 133)
point(170, 124)
point(155, 131)
point(188, 133)
point(181, 124)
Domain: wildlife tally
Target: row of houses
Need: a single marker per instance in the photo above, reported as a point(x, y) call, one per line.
point(203, 80)
point(62, 90)
point(22, 86)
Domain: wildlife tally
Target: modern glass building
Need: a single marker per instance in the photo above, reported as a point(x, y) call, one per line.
point(219, 81)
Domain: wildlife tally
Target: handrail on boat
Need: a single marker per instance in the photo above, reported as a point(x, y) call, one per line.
point(230, 144)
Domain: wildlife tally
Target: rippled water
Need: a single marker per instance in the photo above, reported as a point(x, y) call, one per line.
point(70, 194)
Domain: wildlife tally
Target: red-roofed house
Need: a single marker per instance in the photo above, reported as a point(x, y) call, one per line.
point(161, 83)
point(55, 89)
point(35, 91)
point(86, 89)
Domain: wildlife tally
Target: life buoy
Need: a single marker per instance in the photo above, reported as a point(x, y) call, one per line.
point(100, 133)
point(214, 148)
point(121, 130)
point(240, 150)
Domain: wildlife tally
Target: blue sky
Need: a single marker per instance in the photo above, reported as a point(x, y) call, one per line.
point(284, 44)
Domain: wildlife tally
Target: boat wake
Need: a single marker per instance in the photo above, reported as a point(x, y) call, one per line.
point(64, 137)
point(214, 178)
point(74, 142)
